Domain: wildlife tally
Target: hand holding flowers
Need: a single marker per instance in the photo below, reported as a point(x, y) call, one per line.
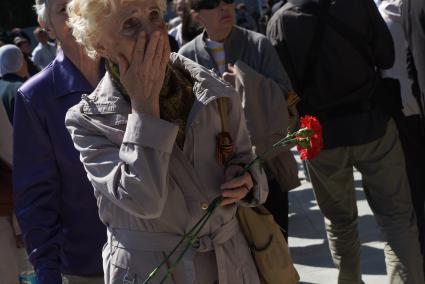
point(237, 186)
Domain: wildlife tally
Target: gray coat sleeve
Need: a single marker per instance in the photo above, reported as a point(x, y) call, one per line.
point(134, 176)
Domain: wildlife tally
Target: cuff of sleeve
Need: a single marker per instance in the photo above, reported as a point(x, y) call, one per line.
point(258, 193)
point(49, 276)
point(149, 131)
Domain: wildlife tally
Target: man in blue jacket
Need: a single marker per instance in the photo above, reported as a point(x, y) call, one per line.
point(54, 201)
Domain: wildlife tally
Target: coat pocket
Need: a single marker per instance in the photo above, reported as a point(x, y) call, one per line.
point(120, 269)
point(130, 266)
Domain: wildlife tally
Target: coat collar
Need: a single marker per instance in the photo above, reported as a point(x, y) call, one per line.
point(231, 48)
point(207, 85)
point(203, 57)
point(232, 45)
point(67, 78)
point(106, 99)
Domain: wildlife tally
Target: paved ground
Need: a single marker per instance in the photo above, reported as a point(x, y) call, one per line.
point(308, 244)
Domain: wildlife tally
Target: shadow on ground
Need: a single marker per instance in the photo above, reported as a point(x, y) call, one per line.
point(319, 256)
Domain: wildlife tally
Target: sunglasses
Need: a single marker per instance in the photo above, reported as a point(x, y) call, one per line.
point(209, 4)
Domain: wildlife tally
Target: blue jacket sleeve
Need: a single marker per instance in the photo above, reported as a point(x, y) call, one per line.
point(37, 191)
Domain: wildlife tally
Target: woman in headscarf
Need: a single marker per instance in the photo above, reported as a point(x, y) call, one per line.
point(147, 138)
point(13, 73)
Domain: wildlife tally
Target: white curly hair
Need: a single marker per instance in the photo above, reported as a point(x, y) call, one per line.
point(84, 18)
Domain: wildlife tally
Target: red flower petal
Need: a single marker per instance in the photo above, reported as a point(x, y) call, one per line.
point(316, 142)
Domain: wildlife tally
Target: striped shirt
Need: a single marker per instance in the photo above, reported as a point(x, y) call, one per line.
point(217, 52)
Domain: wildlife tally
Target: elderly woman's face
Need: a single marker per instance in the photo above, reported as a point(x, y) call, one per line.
point(118, 33)
point(58, 27)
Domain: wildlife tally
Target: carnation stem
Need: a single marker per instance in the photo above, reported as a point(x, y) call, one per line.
point(188, 237)
point(192, 237)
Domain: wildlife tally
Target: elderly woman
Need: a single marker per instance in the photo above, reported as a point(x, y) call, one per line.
point(52, 195)
point(147, 139)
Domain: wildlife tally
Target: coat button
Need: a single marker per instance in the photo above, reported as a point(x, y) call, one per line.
point(204, 206)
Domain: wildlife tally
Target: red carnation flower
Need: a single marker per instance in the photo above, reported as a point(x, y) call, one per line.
point(309, 147)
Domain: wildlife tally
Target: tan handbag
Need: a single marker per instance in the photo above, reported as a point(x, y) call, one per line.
point(268, 246)
point(265, 239)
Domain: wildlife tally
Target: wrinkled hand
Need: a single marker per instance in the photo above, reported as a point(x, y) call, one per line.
point(236, 187)
point(230, 75)
point(143, 76)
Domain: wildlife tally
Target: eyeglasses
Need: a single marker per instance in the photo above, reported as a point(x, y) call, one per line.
point(209, 4)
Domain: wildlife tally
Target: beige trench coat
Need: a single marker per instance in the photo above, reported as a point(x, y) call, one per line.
point(149, 192)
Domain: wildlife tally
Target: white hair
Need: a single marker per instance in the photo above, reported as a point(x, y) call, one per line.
point(84, 18)
point(42, 11)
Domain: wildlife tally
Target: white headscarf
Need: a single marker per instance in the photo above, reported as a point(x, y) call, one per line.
point(11, 59)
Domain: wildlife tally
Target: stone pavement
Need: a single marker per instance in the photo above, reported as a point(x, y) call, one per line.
point(308, 243)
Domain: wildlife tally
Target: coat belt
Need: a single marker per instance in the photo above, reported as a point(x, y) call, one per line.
point(165, 242)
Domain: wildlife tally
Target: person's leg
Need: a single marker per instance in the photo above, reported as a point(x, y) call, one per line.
point(9, 253)
point(412, 137)
point(382, 165)
point(333, 183)
point(277, 204)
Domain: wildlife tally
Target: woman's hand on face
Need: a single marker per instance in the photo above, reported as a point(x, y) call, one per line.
point(143, 76)
point(235, 187)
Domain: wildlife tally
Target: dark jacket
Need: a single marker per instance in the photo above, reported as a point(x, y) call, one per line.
point(413, 14)
point(341, 76)
point(9, 85)
point(53, 198)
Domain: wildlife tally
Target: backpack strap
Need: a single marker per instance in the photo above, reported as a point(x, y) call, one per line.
point(355, 39)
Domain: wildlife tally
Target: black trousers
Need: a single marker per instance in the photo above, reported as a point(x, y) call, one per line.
point(412, 136)
point(277, 204)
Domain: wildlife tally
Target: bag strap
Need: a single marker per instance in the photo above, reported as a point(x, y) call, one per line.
point(358, 41)
point(354, 38)
point(301, 83)
point(222, 110)
point(316, 43)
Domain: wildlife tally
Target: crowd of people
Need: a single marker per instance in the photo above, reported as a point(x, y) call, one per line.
point(119, 128)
